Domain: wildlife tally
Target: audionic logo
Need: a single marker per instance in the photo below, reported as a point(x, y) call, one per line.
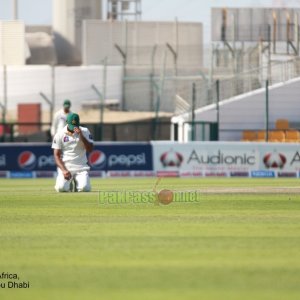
point(27, 160)
point(221, 158)
point(274, 160)
point(171, 159)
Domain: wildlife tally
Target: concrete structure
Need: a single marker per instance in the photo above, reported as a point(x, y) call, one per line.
point(13, 49)
point(25, 83)
point(143, 43)
point(41, 45)
point(149, 53)
point(67, 26)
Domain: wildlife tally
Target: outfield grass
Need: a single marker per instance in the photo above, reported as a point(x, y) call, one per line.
point(227, 246)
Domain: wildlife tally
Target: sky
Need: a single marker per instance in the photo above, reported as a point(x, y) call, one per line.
point(40, 11)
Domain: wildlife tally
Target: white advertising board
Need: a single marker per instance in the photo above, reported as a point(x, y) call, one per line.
point(226, 159)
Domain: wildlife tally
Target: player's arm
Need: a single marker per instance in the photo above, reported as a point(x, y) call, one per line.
point(57, 146)
point(88, 144)
point(60, 164)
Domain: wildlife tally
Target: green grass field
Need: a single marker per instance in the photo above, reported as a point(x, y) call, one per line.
point(226, 246)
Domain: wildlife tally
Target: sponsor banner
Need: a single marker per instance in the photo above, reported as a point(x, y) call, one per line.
point(263, 174)
point(234, 159)
point(104, 157)
point(167, 174)
point(118, 174)
point(143, 174)
point(216, 174)
point(287, 174)
point(279, 157)
point(26, 157)
point(45, 174)
point(121, 157)
point(2, 160)
point(207, 157)
point(165, 159)
point(190, 174)
point(21, 174)
point(97, 174)
point(239, 174)
point(3, 174)
point(130, 174)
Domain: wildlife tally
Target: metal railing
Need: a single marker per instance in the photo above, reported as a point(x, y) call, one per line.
point(254, 79)
point(130, 131)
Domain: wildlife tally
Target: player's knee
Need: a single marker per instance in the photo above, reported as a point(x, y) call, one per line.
point(83, 183)
point(85, 188)
point(61, 188)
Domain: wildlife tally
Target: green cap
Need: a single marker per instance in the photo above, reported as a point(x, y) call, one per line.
point(67, 103)
point(73, 121)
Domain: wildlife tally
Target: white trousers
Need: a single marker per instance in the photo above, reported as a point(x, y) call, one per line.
point(82, 180)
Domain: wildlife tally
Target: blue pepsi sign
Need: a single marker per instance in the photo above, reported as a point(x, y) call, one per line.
point(121, 157)
point(21, 157)
point(104, 157)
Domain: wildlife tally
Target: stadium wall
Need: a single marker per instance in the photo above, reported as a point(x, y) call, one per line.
point(143, 43)
point(164, 159)
point(24, 84)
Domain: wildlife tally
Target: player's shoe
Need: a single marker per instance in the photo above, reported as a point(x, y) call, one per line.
point(73, 186)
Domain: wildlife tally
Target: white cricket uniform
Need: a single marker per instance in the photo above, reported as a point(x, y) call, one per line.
point(59, 121)
point(74, 158)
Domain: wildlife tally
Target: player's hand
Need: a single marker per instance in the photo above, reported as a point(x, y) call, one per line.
point(67, 175)
point(77, 130)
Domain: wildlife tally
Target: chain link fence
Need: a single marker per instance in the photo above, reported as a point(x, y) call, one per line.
point(230, 86)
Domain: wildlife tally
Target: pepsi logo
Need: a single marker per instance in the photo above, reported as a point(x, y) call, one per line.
point(27, 160)
point(171, 159)
point(274, 160)
point(97, 159)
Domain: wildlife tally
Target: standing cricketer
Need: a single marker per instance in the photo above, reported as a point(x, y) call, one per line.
point(60, 117)
point(70, 145)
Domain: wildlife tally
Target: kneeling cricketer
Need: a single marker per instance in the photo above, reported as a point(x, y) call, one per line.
point(70, 145)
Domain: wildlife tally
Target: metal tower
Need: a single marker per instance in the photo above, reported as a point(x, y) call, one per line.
point(124, 10)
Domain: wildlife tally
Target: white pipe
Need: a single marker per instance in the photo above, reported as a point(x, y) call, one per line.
point(15, 10)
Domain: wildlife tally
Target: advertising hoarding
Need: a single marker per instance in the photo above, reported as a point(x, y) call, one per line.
point(104, 157)
point(233, 159)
